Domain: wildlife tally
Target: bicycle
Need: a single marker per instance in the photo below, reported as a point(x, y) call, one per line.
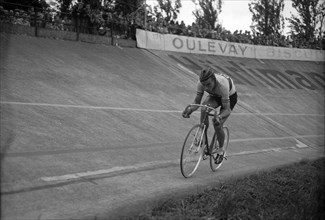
point(196, 146)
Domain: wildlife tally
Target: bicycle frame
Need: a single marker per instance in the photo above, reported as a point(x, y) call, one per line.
point(208, 109)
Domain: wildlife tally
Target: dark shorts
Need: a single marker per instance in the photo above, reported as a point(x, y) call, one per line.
point(215, 101)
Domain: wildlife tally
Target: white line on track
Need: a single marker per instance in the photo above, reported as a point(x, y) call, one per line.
point(89, 107)
point(170, 144)
point(273, 138)
point(150, 165)
point(141, 166)
point(141, 110)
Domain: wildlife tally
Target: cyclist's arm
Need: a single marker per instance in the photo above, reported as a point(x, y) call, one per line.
point(225, 110)
point(197, 100)
point(225, 101)
point(198, 97)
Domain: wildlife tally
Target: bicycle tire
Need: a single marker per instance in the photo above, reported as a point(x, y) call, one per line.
point(214, 167)
point(191, 154)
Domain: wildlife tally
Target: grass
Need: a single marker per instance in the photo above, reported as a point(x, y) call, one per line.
point(291, 192)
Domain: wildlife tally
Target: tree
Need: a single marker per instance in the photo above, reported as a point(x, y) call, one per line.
point(167, 10)
point(94, 4)
point(65, 6)
point(207, 14)
point(321, 19)
point(24, 4)
point(268, 16)
point(310, 15)
point(127, 6)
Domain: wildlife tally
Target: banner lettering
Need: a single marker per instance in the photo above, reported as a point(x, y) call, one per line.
point(184, 44)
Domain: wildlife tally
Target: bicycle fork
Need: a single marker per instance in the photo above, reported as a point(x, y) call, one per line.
point(198, 145)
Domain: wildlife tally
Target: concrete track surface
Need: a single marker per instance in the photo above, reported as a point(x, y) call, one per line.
point(90, 131)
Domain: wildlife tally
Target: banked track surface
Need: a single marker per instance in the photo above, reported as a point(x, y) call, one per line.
point(89, 130)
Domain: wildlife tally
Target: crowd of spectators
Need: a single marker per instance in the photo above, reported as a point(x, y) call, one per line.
point(46, 19)
point(110, 23)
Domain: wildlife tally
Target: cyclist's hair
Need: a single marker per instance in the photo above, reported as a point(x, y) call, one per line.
point(206, 73)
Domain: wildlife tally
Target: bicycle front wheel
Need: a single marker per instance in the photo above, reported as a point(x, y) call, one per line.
point(213, 165)
point(192, 151)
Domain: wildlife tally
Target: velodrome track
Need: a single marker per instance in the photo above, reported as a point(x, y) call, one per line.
point(96, 131)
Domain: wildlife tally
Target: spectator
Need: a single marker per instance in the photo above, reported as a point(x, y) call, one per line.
point(189, 31)
point(204, 31)
point(195, 30)
point(182, 28)
point(2, 13)
point(11, 16)
point(66, 23)
point(149, 26)
point(58, 23)
point(40, 19)
point(20, 18)
point(172, 28)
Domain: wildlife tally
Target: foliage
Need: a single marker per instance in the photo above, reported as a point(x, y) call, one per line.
point(291, 192)
point(207, 14)
point(94, 4)
point(268, 16)
point(310, 15)
point(65, 6)
point(13, 4)
point(127, 6)
point(167, 10)
point(320, 19)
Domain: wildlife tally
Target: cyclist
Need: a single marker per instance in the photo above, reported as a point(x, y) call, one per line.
point(221, 92)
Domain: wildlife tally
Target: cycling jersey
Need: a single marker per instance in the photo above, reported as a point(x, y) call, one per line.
point(225, 87)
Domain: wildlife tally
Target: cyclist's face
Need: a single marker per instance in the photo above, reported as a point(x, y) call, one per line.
point(209, 84)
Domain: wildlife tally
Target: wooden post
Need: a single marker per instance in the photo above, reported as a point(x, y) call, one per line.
point(35, 21)
point(145, 15)
point(77, 25)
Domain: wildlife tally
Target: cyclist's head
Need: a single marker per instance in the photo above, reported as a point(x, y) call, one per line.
point(206, 74)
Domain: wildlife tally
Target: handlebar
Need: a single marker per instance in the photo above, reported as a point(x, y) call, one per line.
point(207, 109)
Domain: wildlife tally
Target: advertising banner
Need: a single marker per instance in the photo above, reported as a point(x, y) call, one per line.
point(284, 53)
point(177, 43)
point(150, 40)
point(184, 44)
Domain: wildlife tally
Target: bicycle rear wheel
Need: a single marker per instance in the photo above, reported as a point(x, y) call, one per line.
point(214, 167)
point(192, 151)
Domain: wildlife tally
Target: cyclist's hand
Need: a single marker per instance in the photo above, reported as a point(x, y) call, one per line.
point(185, 116)
point(187, 111)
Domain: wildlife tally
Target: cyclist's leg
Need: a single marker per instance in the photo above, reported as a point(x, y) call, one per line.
point(219, 128)
point(210, 101)
point(220, 133)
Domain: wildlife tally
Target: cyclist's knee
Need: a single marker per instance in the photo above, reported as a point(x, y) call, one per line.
point(218, 128)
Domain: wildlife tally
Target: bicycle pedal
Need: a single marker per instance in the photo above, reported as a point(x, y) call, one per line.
point(204, 157)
